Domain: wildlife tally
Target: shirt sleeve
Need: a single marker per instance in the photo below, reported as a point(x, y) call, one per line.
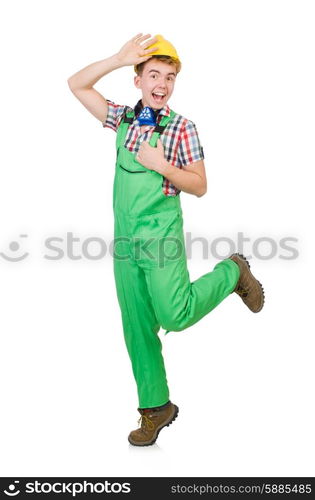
point(114, 115)
point(190, 149)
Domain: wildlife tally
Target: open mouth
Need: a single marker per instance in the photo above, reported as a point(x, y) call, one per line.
point(158, 97)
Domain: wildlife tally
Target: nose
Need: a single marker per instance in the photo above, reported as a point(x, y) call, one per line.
point(162, 82)
point(162, 86)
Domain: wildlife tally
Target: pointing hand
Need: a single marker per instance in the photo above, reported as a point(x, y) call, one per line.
point(150, 157)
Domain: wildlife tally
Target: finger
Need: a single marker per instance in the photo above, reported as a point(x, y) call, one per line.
point(148, 51)
point(143, 59)
point(150, 42)
point(135, 37)
point(143, 38)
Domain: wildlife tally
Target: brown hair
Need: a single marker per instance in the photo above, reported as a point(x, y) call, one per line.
point(166, 59)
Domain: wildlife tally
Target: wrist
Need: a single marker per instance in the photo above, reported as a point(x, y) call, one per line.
point(117, 61)
point(164, 167)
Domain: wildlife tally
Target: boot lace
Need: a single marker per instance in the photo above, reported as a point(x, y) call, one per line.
point(243, 292)
point(146, 423)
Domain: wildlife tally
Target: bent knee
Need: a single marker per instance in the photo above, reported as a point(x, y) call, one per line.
point(173, 323)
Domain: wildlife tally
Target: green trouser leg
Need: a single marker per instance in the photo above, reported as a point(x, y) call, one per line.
point(153, 284)
point(164, 297)
point(179, 303)
point(141, 329)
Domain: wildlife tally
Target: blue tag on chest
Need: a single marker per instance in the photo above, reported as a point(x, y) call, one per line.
point(147, 116)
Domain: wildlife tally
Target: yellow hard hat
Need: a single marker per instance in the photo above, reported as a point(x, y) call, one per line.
point(163, 48)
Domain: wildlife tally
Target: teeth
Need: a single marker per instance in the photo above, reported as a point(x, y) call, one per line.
point(159, 93)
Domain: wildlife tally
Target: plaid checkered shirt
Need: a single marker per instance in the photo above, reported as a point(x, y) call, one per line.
point(180, 138)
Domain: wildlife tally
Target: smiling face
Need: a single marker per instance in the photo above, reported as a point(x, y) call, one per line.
point(156, 82)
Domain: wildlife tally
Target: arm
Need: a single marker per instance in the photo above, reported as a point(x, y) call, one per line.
point(191, 178)
point(81, 83)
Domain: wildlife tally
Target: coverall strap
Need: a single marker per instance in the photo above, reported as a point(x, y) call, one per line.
point(126, 120)
point(128, 116)
point(159, 129)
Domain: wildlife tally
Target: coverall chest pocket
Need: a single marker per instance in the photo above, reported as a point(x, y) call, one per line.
point(134, 171)
point(127, 162)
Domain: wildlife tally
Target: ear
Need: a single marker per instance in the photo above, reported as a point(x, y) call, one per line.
point(137, 80)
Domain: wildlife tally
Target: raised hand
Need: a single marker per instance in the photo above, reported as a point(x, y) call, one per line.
point(135, 51)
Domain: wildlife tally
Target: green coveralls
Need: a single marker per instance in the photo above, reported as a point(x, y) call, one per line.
point(150, 268)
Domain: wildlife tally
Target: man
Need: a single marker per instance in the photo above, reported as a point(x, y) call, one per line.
point(158, 156)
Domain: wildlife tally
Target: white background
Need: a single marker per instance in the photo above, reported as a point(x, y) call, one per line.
point(244, 382)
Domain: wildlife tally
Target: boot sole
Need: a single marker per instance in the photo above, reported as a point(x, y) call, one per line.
point(261, 287)
point(158, 430)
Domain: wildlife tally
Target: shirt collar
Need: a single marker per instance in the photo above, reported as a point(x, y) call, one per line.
point(165, 111)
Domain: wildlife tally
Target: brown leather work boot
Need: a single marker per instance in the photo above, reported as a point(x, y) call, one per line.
point(152, 422)
point(248, 288)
